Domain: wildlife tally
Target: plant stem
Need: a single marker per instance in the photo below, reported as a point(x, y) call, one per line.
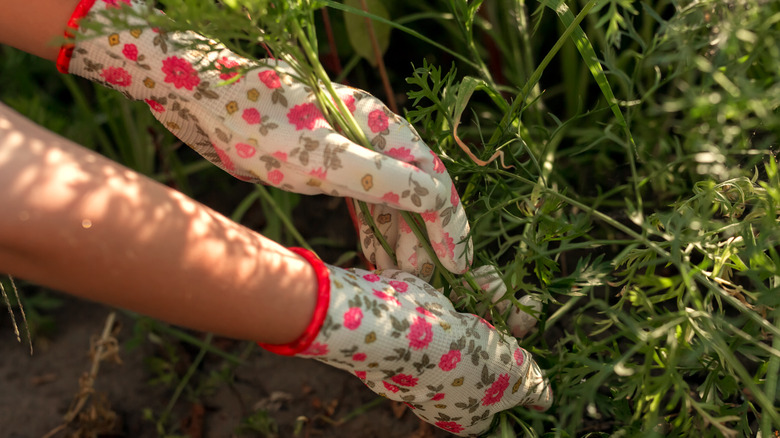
point(772, 371)
point(183, 383)
point(282, 217)
point(521, 97)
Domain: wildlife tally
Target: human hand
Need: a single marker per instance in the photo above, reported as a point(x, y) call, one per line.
point(264, 127)
point(406, 342)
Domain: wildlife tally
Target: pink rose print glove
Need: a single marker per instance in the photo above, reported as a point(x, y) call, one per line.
point(406, 342)
point(264, 127)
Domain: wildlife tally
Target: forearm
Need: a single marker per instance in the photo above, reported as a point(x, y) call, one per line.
point(80, 223)
point(35, 25)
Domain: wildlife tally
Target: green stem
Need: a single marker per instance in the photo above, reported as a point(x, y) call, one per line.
point(414, 33)
point(641, 238)
point(520, 99)
point(770, 386)
point(183, 383)
point(350, 124)
point(378, 234)
point(282, 217)
point(186, 337)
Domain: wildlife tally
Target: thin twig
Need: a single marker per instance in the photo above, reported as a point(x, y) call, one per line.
point(100, 349)
point(101, 352)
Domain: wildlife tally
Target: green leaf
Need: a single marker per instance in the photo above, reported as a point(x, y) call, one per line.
point(358, 32)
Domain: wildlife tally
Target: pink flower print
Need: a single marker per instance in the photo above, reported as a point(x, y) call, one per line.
point(180, 73)
point(251, 116)
point(270, 79)
point(373, 278)
point(245, 150)
point(390, 299)
point(377, 120)
point(275, 177)
point(399, 286)
point(349, 102)
point(420, 334)
point(228, 65)
point(359, 357)
point(316, 349)
point(115, 3)
point(401, 154)
point(360, 375)
point(306, 116)
point(425, 312)
point(404, 227)
point(445, 248)
point(390, 387)
point(280, 155)
point(225, 159)
point(494, 394)
point(438, 396)
point(404, 380)
point(454, 197)
point(519, 357)
point(411, 406)
point(130, 51)
point(155, 105)
point(429, 216)
point(449, 426)
point(319, 173)
point(352, 318)
point(438, 166)
point(449, 360)
point(117, 76)
point(390, 198)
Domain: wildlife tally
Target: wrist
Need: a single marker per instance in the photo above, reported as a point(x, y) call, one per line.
point(320, 310)
point(66, 51)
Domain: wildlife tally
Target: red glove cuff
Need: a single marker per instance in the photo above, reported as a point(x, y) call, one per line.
point(320, 311)
point(66, 51)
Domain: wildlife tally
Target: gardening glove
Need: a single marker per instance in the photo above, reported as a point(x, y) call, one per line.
point(522, 318)
point(406, 342)
point(264, 127)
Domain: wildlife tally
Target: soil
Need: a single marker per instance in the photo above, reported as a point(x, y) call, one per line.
point(37, 390)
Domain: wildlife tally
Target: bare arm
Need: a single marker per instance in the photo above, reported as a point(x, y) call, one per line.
point(35, 25)
point(78, 222)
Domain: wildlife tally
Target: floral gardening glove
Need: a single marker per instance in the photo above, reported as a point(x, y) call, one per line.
point(521, 319)
point(406, 342)
point(264, 127)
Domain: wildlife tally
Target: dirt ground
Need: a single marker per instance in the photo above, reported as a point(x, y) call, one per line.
point(36, 391)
